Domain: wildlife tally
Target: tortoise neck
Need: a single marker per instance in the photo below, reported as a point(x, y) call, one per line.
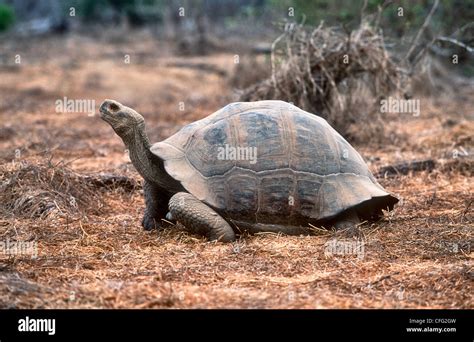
point(144, 161)
point(148, 165)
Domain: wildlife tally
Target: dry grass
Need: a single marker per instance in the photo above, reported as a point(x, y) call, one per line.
point(43, 189)
point(419, 256)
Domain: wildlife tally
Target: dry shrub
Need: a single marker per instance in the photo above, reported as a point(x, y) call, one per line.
point(358, 119)
point(336, 74)
point(45, 189)
point(432, 78)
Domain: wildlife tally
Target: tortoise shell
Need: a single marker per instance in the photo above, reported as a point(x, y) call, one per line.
point(271, 162)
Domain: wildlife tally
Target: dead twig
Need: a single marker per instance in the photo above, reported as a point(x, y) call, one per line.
point(456, 42)
point(421, 30)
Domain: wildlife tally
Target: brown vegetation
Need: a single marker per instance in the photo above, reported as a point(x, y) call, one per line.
point(339, 75)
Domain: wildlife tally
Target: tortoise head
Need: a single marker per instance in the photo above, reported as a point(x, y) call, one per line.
point(123, 120)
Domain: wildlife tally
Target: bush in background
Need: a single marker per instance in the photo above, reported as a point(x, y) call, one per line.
point(7, 17)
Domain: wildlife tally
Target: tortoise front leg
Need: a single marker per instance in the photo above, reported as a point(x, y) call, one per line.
point(199, 218)
point(156, 205)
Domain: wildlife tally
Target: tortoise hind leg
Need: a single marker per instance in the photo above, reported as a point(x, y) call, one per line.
point(348, 220)
point(199, 218)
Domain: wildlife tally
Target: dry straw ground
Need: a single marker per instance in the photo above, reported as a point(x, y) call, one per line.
point(93, 253)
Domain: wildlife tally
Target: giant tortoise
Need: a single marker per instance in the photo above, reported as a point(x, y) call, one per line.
point(264, 166)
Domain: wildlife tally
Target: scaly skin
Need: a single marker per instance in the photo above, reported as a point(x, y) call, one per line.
point(159, 186)
point(199, 218)
point(156, 205)
point(348, 221)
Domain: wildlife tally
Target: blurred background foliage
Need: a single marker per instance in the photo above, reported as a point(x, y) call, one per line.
point(450, 14)
point(193, 23)
point(7, 17)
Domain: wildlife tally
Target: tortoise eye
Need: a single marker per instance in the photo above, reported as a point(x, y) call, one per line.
point(113, 107)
